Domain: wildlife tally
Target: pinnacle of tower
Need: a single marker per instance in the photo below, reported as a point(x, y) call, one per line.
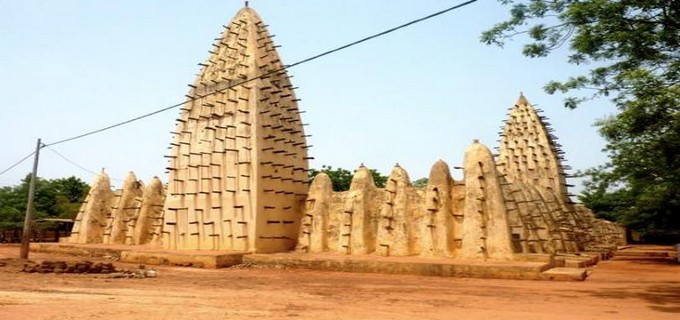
point(243, 51)
point(529, 152)
point(238, 160)
point(521, 101)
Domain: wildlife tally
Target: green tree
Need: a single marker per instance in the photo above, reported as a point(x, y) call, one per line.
point(420, 183)
point(54, 198)
point(379, 179)
point(342, 178)
point(11, 215)
point(633, 45)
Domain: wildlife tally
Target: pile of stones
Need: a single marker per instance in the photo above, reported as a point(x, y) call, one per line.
point(87, 267)
point(69, 267)
point(139, 273)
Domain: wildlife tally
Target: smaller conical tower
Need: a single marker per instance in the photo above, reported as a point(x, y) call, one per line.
point(124, 212)
point(486, 234)
point(91, 220)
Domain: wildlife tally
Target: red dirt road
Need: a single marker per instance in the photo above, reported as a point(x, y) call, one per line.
point(616, 289)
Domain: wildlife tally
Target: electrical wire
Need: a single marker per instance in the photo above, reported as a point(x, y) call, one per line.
point(17, 163)
point(380, 34)
point(71, 161)
point(76, 164)
point(197, 97)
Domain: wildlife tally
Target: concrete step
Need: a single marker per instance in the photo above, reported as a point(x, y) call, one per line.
point(525, 270)
point(566, 274)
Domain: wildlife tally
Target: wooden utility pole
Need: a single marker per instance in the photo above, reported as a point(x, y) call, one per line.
point(28, 220)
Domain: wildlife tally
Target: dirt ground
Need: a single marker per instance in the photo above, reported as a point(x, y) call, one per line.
point(633, 288)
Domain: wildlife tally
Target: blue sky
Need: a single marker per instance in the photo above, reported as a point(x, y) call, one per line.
point(412, 97)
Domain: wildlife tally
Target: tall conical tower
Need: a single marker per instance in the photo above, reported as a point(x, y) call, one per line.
point(529, 152)
point(238, 160)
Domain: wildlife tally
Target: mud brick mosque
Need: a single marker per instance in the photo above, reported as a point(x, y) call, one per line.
point(238, 180)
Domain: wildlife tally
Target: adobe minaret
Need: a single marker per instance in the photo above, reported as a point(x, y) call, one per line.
point(238, 160)
point(529, 152)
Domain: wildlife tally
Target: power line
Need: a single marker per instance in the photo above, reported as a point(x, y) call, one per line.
point(71, 161)
point(76, 164)
point(263, 75)
point(197, 97)
point(17, 163)
point(245, 81)
point(58, 154)
point(381, 33)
